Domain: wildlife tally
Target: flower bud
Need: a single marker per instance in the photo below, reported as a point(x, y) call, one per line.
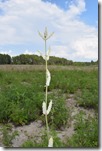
point(50, 142)
point(49, 107)
point(44, 108)
point(48, 78)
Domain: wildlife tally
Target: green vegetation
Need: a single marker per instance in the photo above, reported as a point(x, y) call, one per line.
point(28, 59)
point(21, 97)
point(86, 132)
point(22, 93)
point(38, 60)
point(5, 59)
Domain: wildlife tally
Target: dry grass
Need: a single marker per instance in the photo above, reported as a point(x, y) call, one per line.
point(42, 67)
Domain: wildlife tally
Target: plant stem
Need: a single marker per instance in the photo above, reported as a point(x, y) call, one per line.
point(46, 119)
point(45, 37)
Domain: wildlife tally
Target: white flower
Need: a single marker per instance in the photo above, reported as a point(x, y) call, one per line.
point(44, 107)
point(49, 107)
point(45, 57)
point(45, 36)
point(46, 111)
point(48, 78)
point(50, 142)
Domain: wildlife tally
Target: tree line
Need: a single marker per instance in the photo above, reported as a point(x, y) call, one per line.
point(5, 59)
point(38, 60)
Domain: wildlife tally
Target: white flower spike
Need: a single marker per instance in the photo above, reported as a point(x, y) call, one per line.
point(48, 78)
point(49, 107)
point(44, 108)
point(45, 57)
point(46, 111)
point(45, 36)
point(50, 142)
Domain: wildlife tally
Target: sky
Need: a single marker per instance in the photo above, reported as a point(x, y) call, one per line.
point(74, 23)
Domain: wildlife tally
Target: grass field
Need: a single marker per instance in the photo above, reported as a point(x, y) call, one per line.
point(22, 92)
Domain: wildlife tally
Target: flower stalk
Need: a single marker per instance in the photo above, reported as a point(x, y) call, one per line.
point(46, 111)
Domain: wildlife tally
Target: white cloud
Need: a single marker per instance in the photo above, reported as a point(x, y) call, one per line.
point(72, 39)
point(6, 52)
point(28, 52)
point(86, 48)
point(60, 51)
point(76, 8)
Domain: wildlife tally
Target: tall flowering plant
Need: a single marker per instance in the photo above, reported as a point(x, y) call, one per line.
point(46, 110)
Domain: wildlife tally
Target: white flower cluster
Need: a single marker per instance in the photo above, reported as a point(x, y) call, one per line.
point(45, 57)
point(45, 36)
point(44, 106)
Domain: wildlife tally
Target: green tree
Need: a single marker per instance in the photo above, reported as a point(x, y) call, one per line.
point(5, 59)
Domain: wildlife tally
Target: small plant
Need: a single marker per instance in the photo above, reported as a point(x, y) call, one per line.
point(46, 110)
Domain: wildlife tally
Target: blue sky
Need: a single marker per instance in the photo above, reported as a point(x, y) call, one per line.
point(74, 23)
point(90, 16)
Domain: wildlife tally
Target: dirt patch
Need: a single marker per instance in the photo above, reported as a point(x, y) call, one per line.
point(35, 130)
point(75, 108)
